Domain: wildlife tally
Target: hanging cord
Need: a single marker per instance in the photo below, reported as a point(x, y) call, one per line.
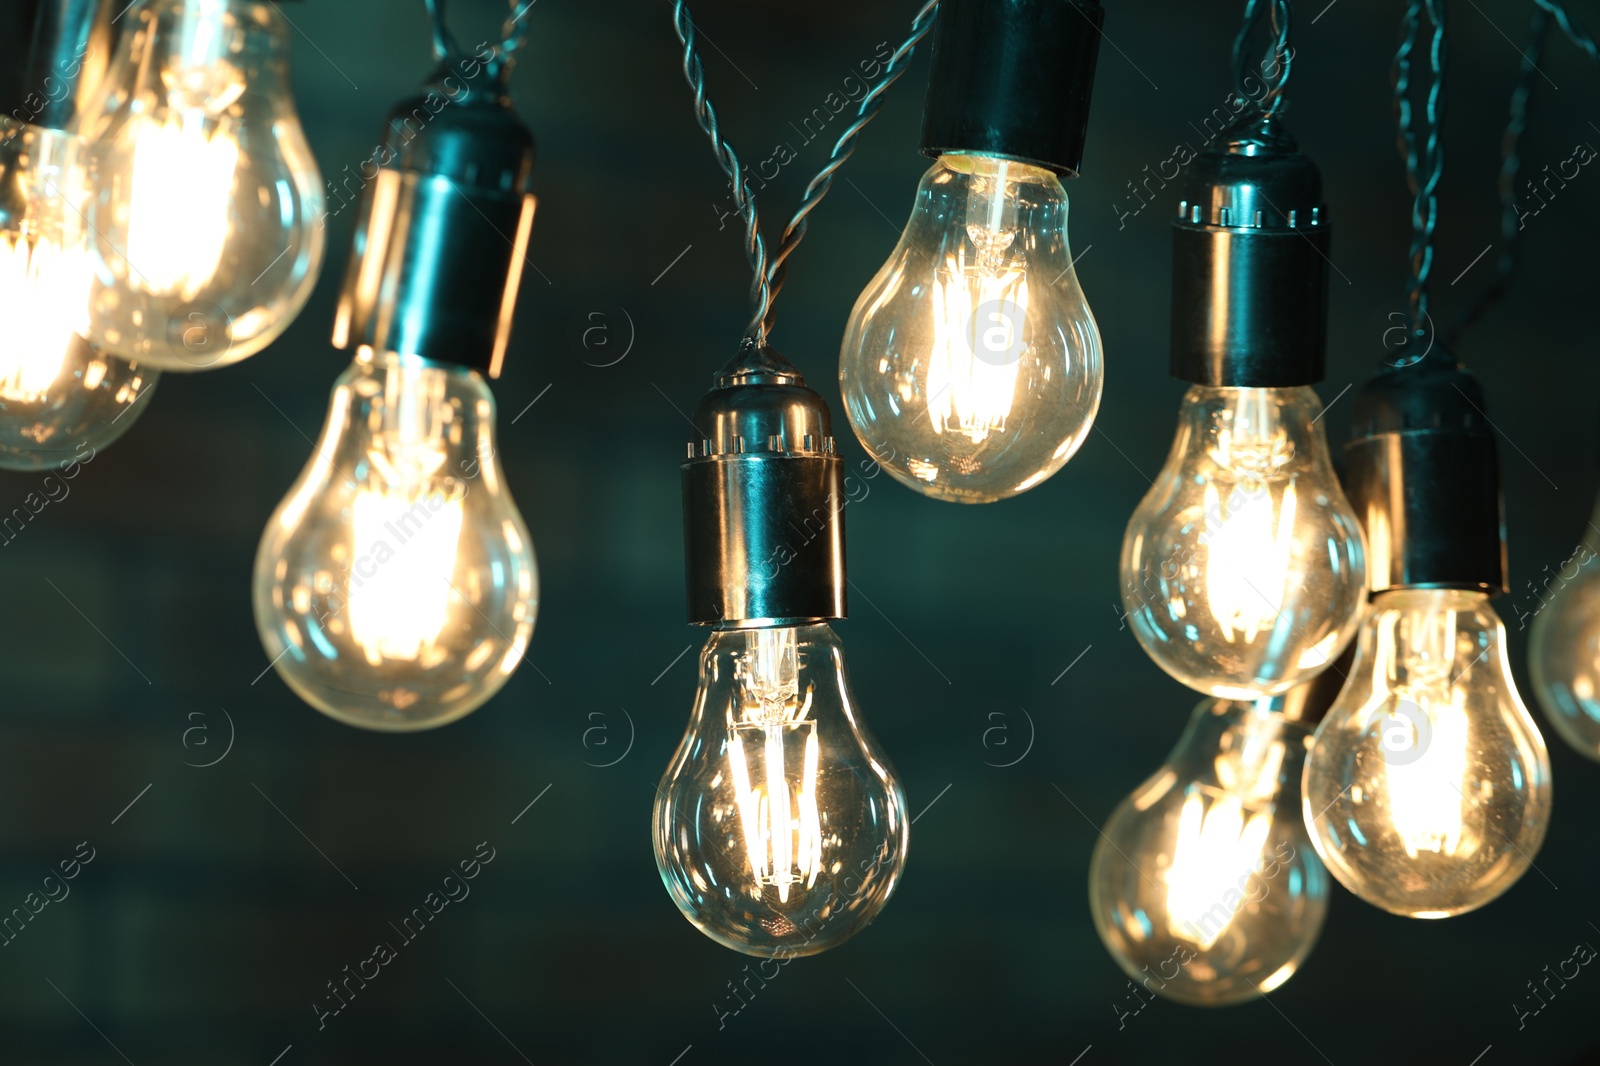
point(1510, 167)
point(1571, 27)
point(514, 37)
point(1423, 155)
point(1278, 59)
point(795, 231)
point(768, 275)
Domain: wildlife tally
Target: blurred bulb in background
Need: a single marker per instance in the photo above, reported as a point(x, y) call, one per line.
point(1564, 647)
point(208, 205)
point(971, 365)
point(1428, 789)
point(58, 394)
point(1203, 885)
point(1244, 568)
point(780, 829)
point(395, 586)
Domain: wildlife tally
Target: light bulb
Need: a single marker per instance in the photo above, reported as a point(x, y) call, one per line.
point(58, 394)
point(1244, 568)
point(1428, 788)
point(1203, 885)
point(1564, 647)
point(395, 586)
point(780, 830)
point(971, 364)
point(208, 206)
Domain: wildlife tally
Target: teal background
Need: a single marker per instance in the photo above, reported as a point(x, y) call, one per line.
point(206, 925)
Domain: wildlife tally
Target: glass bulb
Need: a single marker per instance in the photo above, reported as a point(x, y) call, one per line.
point(971, 363)
point(779, 828)
point(59, 396)
point(1203, 884)
point(1428, 789)
point(1564, 647)
point(395, 586)
point(1244, 568)
point(208, 206)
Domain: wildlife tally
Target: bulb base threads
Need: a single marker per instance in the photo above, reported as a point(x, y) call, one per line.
point(447, 210)
point(1424, 477)
point(1013, 78)
point(763, 520)
point(1249, 264)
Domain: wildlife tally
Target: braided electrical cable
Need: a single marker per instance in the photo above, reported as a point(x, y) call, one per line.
point(1276, 62)
point(1571, 27)
point(1423, 154)
point(795, 231)
point(514, 36)
point(743, 199)
point(1510, 167)
point(444, 42)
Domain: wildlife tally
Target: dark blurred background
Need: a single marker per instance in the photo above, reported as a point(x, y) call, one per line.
point(221, 902)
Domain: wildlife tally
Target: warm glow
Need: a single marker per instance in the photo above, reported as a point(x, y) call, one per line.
point(779, 817)
point(182, 185)
point(1216, 851)
point(44, 300)
point(1249, 536)
point(978, 322)
point(405, 557)
point(1425, 795)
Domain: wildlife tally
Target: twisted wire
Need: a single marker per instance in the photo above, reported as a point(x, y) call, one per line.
point(1424, 156)
point(1571, 27)
point(755, 246)
point(1510, 166)
point(444, 42)
point(795, 231)
point(1279, 57)
point(514, 36)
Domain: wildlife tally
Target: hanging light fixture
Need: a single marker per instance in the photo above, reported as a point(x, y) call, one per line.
point(971, 365)
point(1427, 791)
point(780, 829)
point(207, 206)
point(1203, 885)
point(1243, 569)
point(395, 586)
point(61, 397)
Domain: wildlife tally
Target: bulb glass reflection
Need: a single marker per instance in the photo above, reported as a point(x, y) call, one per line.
point(395, 587)
point(60, 398)
point(1244, 568)
point(208, 207)
point(1564, 647)
point(971, 365)
point(1203, 885)
point(780, 829)
point(1428, 790)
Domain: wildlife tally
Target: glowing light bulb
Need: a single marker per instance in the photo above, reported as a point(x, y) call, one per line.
point(208, 207)
point(59, 396)
point(395, 586)
point(971, 364)
point(1428, 789)
point(779, 828)
point(1244, 568)
point(1203, 885)
point(1564, 647)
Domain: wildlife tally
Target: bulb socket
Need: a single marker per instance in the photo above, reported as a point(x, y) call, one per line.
point(1249, 264)
point(441, 241)
point(763, 518)
point(53, 54)
point(1013, 78)
point(1424, 478)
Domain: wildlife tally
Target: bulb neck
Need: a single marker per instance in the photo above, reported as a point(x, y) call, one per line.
point(762, 501)
point(1013, 79)
point(1423, 473)
point(1249, 264)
